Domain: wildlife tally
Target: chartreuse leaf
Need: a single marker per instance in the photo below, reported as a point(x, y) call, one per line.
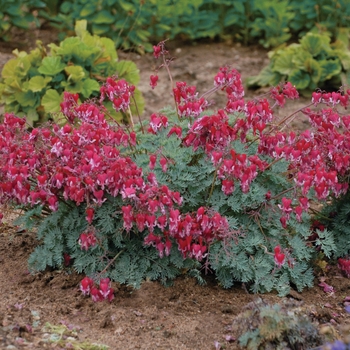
point(25, 98)
point(314, 43)
point(38, 83)
point(89, 87)
point(283, 62)
point(9, 68)
point(75, 73)
point(68, 47)
point(87, 10)
point(128, 70)
point(300, 57)
point(109, 48)
point(81, 26)
point(51, 66)
point(51, 101)
point(31, 115)
point(344, 57)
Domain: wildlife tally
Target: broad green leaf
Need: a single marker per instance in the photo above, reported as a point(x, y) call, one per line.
point(329, 68)
point(32, 115)
point(25, 98)
point(66, 7)
point(343, 35)
point(13, 10)
point(100, 29)
point(300, 57)
point(103, 17)
point(75, 73)
point(109, 48)
point(38, 83)
point(314, 43)
point(51, 66)
point(127, 6)
point(68, 46)
point(299, 79)
point(90, 86)
point(87, 10)
point(74, 87)
point(314, 69)
point(283, 63)
point(51, 101)
point(20, 22)
point(344, 57)
point(128, 70)
point(265, 78)
point(9, 68)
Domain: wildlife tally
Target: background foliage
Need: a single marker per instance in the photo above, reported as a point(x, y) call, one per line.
point(134, 24)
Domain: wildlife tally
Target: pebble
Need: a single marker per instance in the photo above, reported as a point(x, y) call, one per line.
point(11, 347)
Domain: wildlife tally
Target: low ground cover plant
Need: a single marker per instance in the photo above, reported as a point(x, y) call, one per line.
point(33, 84)
point(192, 190)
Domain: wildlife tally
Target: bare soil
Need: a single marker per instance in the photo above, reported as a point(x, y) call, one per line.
point(184, 316)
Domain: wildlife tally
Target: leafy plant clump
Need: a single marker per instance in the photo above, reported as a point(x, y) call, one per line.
point(33, 84)
point(226, 190)
point(311, 64)
point(279, 326)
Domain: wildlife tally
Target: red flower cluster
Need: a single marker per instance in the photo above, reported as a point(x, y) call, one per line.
point(80, 163)
point(193, 232)
point(188, 102)
point(119, 92)
point(87, 240)
point(104, 292)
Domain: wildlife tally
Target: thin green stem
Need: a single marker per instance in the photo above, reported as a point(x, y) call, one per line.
point(213, 184)
point(166, 65)
point(111, 262)
point(138, 114)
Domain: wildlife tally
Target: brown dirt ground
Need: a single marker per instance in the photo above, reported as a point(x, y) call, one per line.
point(184, 316)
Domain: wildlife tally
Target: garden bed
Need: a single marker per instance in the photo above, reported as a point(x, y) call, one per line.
point(184, 316)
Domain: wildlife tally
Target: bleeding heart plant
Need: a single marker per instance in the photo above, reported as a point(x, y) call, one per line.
point(228, 190)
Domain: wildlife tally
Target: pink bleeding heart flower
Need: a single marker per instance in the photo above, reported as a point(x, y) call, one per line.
point(279, 257)
point(86, 284)
point(153, 80)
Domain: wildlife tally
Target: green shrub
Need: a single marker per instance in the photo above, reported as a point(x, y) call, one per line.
point(32, 84)
point(311, 64)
